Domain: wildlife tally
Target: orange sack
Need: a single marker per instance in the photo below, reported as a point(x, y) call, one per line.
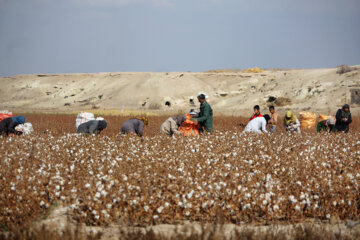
point(5, 115)
point(188, 128)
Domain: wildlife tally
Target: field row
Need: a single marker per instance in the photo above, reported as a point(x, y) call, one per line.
point(228, 175)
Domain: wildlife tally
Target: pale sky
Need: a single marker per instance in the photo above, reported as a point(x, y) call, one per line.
point(89, 36)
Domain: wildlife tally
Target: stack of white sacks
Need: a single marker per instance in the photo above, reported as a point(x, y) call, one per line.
point(84, 117)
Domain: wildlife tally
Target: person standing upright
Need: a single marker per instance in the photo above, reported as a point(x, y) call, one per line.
point(205, 116)
point(343, 119)
point(273, 120)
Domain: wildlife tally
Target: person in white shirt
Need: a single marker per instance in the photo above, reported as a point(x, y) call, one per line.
point(258, 125)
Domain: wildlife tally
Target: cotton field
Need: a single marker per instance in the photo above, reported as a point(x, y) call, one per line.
point(227, 176)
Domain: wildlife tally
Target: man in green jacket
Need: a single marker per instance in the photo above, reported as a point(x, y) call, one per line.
point(205, 117)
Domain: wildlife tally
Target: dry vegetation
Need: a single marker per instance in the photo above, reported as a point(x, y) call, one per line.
point(227, 177)
point(344, 69)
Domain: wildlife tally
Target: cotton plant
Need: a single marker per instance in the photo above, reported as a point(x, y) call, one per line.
point(240, 178)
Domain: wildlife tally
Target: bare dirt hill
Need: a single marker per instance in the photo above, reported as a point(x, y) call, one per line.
point(235, 93)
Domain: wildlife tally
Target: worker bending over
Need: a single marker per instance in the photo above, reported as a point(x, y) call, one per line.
point(258, 124)
point(171, 126)
point(134, 125)
point(7, 125)
point(326, 125)
point(92, 127)
point(291, 123)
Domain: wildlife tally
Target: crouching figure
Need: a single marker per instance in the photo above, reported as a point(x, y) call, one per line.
point(92, 127)
point(291, 123)
point(7, 125)
point(171, 126)
point(258, 124)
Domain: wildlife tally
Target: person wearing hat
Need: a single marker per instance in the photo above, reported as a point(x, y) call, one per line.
point(291, 123)
point(134, 125)
point(171, 125)
point(205, 116)
point(343, 119)
point(326, 125)
point(189, 128)
point(7, 125)
point(258, 124)
point(92, 127)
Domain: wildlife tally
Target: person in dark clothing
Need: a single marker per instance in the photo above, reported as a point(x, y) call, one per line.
point(134, 125)
point(343, 119)
point(92, 127)
point(205, 116)
point(7, 126)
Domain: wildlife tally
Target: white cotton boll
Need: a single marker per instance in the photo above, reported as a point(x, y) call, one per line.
point(104, 212)
point(155, 217)
point(190, 194)
point(297, 208)
point(292, 199)
point(302, 196)
point(57, 187)
point(166, 204)
point(247, 206)
point(188, 205)
point(42, 203)
point(160, 209)
point(187, 213)
point(264, 202)
point(298, 183)
point(146, 208)
point(104, 193)
point(328, 216)
point(247, 195)
point(97, 195)
point(12, 188)
point(276, 207)
point(57, 194)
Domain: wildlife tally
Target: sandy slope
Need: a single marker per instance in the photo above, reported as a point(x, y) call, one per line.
point(318, 90)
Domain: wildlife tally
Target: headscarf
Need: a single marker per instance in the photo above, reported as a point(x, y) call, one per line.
point(192, 112)
point(18, 120)
point(179, 119)
point(102, 125)
point(330, 121)
point(343, 113)
point(144, 119)
point(289, 118)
